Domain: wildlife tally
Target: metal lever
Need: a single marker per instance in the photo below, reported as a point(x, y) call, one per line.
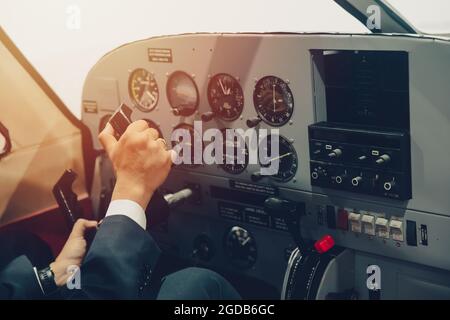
point(67, 200)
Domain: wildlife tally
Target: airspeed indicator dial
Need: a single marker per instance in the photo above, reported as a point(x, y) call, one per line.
point(143, 90)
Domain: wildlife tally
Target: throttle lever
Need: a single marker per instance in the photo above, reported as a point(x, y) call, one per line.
point(120, 120)
point(288, 210)
point(159, 206)
point(67, 199)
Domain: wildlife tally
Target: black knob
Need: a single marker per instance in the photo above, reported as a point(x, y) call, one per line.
point(207, 116)
point(253, 122)
point(279, 206)
point(256, 176)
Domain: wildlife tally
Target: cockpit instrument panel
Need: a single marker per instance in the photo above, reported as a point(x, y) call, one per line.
point(363, 124)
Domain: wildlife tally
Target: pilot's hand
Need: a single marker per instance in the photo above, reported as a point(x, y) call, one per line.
point(140, 160)
point(73, 252)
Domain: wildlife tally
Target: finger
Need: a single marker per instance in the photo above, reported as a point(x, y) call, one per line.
point(137, 126)
point(107, 138)
point(173, 156)
point(162, 143)
point(81, 226)
point(153, 133)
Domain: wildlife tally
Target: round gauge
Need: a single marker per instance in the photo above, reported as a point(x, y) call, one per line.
point(287, 157)
point(273, 100)
point(143, 90)
point(103, 121)
point(225, 96)
point(182, 93)
point(153, 125)
point(240, 247)
point(232, 163)
point(194, 139)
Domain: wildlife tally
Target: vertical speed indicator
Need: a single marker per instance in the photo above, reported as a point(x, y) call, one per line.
point(273, 100)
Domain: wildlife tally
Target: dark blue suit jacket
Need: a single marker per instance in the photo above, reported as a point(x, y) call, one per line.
point(118, 265)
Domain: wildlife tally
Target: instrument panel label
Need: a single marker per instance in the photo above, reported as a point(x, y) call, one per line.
point(252, 215)
point(160, 55)
point(255, 188)
point(90, 106)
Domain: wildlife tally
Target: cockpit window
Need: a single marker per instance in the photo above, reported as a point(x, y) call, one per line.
point(430, 16)
point(64, 39)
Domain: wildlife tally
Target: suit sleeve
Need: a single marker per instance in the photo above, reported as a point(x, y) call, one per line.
point(18, 280)
point(119, 262)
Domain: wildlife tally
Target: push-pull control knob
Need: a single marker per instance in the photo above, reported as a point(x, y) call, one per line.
point(183, 110)
point(385, 158)
point(253, 122)
point(336, 153)
point(160, 205)
point(176, 199)
point(356, 181)
point(207, 116)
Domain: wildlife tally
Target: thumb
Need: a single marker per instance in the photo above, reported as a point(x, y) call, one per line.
point(81, 226)
point(107, 138)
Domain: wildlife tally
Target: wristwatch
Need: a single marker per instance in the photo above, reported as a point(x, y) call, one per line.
point(47, 280)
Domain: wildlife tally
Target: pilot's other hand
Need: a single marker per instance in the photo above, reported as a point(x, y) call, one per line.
point(140, 160)
point(73, 251)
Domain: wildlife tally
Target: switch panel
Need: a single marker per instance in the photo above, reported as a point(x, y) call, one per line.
point(367, 161)
point(396, 229)
point(355, 222)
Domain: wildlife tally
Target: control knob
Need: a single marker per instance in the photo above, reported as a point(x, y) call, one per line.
point(336, 153)
point(388, 185)
point(383, 159)
point(356, 181)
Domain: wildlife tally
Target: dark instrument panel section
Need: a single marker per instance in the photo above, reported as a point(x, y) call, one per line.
point(364, 144)
point(368, 88)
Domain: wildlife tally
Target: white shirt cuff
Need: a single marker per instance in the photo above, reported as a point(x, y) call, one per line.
point(129, 209)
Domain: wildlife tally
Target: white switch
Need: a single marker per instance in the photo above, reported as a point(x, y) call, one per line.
point(368, 222)
point(382, 228)
point(396, 228)
point(355, 222)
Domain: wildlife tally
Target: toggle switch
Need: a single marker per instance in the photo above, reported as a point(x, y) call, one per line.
point(355, 222)
point(382, 228)
point(368, 222)
point(396, 229)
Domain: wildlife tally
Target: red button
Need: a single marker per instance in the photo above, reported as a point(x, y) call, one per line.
point(324, 244)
